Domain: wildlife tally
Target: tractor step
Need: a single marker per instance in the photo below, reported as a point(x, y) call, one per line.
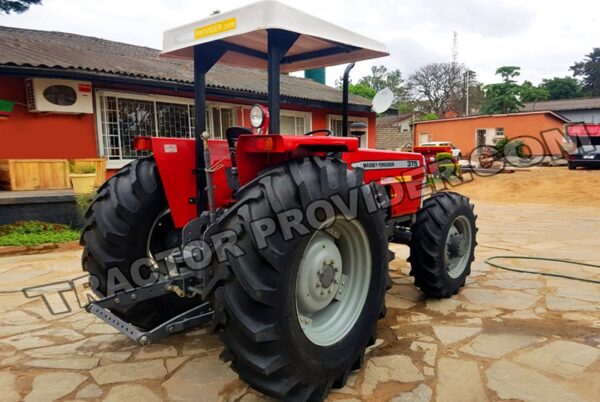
point(194, 317)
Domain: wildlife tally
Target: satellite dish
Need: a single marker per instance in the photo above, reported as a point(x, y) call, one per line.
point(383, 100)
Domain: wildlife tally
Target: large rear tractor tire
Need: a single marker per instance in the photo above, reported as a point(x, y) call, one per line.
point(129, 220)
point(297, 315)
point(442, 245)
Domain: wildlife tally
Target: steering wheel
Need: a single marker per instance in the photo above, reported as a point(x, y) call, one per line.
point(322, 130)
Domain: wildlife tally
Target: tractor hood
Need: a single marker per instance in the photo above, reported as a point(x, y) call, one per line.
point(243, 33)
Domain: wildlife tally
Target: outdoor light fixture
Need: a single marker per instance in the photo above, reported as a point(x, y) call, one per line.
point(259, 118)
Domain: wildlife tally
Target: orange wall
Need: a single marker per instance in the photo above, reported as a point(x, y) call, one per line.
point(462, 132)
point(27, 135)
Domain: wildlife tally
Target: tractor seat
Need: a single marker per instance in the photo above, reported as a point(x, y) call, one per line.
point(232, 134)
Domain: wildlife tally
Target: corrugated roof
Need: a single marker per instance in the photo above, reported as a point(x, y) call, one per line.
point(563, 104)
point(49, 49)
point(394, 120)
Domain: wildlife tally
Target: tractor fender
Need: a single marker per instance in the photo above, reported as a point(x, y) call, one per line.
point(175, 159)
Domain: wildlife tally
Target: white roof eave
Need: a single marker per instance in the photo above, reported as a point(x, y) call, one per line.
point(243, 24)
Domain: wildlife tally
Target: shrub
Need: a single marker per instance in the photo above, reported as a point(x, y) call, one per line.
point(505, 147)
point(443, 156)
point(84, 201)
point(82, 168)
point(448, 167)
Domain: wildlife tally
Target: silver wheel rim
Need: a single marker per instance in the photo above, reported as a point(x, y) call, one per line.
point(458, 246)
point(155, 224)
point(333, 280)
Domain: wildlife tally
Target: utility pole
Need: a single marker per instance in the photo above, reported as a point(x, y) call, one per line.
point(469, 74)
point(468, 80)
point(455, 47)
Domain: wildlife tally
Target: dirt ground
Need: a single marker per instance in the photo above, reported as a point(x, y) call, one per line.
point(505, 336)
point(543, 185)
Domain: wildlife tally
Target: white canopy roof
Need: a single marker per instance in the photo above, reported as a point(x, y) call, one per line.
point(244, 33)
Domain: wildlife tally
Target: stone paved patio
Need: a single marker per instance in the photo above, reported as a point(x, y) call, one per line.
point(506, 336)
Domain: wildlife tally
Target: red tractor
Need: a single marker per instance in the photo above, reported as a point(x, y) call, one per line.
point(279, 242)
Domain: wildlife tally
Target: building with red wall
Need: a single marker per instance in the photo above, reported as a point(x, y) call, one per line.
point(134, 92)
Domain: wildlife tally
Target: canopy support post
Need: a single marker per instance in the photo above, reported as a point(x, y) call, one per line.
point(205, 57)
point(280, 41)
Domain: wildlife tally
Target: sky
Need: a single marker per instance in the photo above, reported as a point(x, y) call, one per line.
point(543, 37)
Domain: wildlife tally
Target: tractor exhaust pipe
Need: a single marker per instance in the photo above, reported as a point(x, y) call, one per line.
point(346, 81)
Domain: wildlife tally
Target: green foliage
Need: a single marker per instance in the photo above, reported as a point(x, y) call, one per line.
point(447, 169)
point(18, 6)
point(381, 78)
point(508, 73)
point(562, 88)
point(84, 201)
point(532, 93)
point(503, 97)
point(362, 90)
point(429, 116)
point(31, 233)
point(589, 71)
point(82, 168)
point(405, 107)
point(505, 147)
point(441, 156)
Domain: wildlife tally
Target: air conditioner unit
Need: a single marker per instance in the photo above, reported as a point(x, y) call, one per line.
point(59, 96)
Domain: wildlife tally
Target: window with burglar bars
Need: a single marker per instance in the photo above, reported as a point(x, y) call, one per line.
point(293, 124)
point(122, 117)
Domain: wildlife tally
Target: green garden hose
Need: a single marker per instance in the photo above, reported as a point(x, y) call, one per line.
point(513, 257)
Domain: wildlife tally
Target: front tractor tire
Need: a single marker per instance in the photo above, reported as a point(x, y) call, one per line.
point(297, 315)
point(442, 245)
point(129, 220)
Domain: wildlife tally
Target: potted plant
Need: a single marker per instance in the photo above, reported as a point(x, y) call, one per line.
point(82, 177)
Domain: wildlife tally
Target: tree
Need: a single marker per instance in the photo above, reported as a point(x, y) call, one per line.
point(562, 88)
point(532, 93)
point(379, 79)
point(362, 90)
point(438, 83)
point(508, 73)
point(503, 97)
point(17, 6)
point(429, 116)
point(589, 71)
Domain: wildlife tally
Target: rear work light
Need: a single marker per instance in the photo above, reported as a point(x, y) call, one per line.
point(263, 143)
point(142, 143)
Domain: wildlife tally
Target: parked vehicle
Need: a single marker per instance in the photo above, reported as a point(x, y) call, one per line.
point(585, 138)
point(456, 153)
point(587, 156)
point(279, 242)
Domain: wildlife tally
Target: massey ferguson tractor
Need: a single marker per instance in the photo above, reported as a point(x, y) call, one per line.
point(278, 242)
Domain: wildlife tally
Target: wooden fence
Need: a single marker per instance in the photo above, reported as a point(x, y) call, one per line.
point(38, 174)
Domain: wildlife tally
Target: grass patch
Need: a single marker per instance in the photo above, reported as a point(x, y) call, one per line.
point(31, 233)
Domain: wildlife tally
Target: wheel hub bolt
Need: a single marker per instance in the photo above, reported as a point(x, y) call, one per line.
point(328, 276)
